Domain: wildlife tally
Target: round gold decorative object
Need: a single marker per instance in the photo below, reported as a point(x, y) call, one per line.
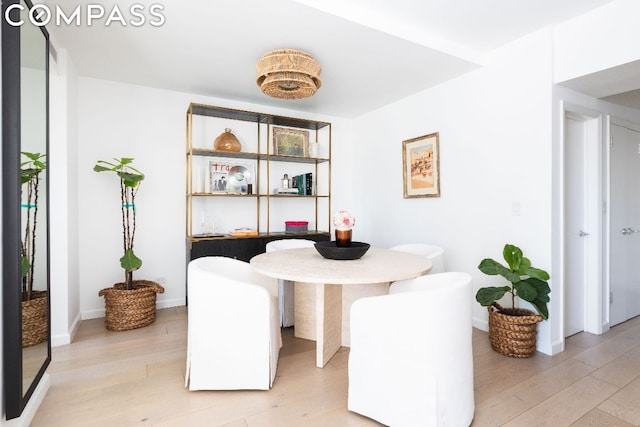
point(288, 74)
point(227, 141)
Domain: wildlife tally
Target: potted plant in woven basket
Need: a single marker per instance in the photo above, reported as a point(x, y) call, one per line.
point(132, 303)
point(512, 331)
point(34, 302)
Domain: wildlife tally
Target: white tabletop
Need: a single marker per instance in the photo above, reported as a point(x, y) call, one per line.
point(307, 265)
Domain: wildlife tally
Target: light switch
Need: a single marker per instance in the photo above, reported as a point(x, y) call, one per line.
point(516, 208)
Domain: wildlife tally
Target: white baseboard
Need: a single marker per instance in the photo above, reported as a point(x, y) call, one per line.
point(92, 314)
point(481, 324)
point(64, 339)
point(178, 302)
point(60, 339)
point(557, 347)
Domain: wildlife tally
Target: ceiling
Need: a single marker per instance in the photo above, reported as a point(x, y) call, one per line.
point(373, 52)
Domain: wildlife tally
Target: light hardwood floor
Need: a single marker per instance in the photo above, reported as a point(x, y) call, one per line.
point(137, 378)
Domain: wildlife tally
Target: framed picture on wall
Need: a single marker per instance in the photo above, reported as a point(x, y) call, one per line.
point(421, 166)
point(290, 142)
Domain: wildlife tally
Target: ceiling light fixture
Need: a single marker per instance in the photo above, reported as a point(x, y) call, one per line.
point(288, 74)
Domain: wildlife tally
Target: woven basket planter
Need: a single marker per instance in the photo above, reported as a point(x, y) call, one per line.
point(34, 319)
point(513, 331)
point(130, 309)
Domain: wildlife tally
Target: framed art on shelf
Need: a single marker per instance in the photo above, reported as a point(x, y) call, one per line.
point(231, 177)
point(421, 166)
point(290, 142)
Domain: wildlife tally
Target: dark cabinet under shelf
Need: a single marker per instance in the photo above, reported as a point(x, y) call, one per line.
point(247, 247)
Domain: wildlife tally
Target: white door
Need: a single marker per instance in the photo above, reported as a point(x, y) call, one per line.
point(576, 236)
point(624, 297)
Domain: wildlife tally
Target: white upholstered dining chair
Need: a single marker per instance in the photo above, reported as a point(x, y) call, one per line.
point(411, 361)
point(433, 252)
point(286, 293)
point(233, 335)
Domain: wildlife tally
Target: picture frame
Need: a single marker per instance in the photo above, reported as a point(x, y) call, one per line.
point(231, 177)
point(290, 142)
point(421, 166)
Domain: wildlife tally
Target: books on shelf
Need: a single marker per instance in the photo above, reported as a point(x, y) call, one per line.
point(285, 191)
point(303, 184)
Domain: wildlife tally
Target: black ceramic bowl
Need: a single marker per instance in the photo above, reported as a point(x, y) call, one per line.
point(331, 251)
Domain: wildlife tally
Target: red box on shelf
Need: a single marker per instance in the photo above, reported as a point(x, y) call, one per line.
point(296, 226)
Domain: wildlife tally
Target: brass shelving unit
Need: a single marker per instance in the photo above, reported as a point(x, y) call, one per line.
point(261, 154)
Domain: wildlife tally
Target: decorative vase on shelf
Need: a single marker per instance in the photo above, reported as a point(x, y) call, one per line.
point(313, 149)
point(227, 141)
point(343, 238)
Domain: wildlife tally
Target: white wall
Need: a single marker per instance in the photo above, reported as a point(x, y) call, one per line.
point(495, 145)
point(65, 307)
point(120, 120)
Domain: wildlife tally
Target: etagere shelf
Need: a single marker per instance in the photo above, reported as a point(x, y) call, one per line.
point(239, 223)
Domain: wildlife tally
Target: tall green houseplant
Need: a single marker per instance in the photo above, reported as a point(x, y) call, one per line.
point(527, 282)
point(30, 171)
point(130, 179)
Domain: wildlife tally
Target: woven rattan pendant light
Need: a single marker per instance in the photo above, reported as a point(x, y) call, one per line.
point(288, 74)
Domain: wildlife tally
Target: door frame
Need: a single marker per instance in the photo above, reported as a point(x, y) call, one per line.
point(596, 319)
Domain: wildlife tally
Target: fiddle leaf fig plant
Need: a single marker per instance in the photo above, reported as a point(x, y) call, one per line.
point(130, 179)
point(527, 282)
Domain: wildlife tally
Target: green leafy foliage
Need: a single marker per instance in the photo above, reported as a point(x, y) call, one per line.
point(129, 175)
point(25, 265)
point(129, 261)
point(527, 282)
point(31, 168)
point(488, 295)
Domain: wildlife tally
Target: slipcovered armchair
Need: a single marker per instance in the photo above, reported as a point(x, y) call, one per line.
point(433, 252)
point(286, 287)
point(411, 361)
point(233, 337)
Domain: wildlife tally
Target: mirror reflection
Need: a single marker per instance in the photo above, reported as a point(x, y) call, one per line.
point(34, 257)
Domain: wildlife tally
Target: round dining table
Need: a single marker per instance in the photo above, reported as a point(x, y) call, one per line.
point(306, 265)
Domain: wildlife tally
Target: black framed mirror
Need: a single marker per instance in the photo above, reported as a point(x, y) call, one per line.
point(25, 203)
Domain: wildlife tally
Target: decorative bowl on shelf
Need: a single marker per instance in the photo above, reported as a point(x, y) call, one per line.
point(331, 251)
